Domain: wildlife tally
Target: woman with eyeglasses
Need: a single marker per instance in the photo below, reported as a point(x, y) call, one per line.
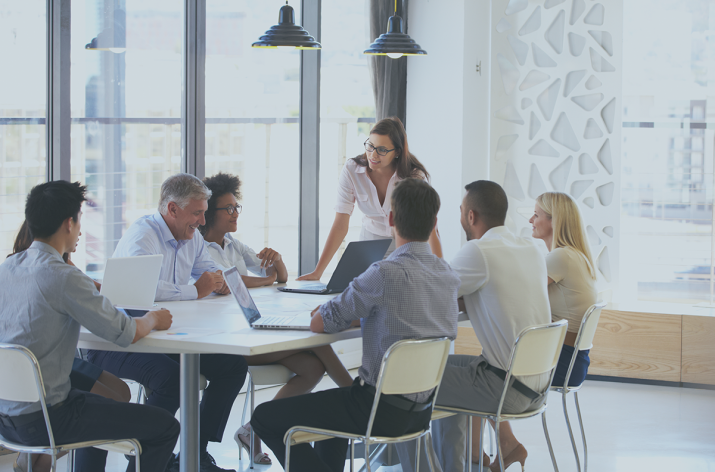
point(368, 179)
point(225, 250)
point(308, 365)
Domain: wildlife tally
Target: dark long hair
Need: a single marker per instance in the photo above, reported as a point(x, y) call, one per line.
point(407, 165)
point(23, 239)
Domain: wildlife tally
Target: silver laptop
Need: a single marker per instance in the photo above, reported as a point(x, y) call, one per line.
point(130, 282)
point(250, 311)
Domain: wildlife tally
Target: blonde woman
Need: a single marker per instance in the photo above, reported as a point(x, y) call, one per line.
point(572, 275)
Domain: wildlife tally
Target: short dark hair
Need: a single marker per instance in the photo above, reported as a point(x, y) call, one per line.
point(219, 184)
point(489, 200)
point(414, 208)
point(51, 203)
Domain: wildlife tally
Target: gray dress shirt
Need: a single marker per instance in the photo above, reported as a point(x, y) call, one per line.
point(410, 295)
point(43, 302)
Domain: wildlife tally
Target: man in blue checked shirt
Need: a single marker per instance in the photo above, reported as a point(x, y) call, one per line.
point(410, 295)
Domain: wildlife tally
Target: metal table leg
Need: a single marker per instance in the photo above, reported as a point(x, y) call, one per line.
point(189, 457)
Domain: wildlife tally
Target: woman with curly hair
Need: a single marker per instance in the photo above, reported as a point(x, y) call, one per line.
point(268, 267)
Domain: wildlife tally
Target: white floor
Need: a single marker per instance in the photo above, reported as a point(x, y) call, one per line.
point(629, 428)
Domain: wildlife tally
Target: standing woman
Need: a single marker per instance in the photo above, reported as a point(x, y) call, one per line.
point(369, 179)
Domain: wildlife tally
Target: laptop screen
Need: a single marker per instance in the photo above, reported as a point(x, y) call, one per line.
point(240, 293)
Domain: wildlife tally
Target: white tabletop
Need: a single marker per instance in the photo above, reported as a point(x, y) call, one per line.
point(216, 324)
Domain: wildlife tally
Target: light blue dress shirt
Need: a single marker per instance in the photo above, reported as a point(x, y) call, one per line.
point(410, 295)
point(183, 260)
point(43, 302)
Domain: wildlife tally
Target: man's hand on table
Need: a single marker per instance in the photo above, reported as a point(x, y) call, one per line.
point(209, 282)
point(316, 322)
point(224, 290)
point(158, 319)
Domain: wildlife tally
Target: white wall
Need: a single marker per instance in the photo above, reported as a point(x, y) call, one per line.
point(448, 101)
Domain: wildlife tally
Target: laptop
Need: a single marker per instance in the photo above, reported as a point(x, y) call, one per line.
point(255, 320)
point(358, 256)
point(130, 282)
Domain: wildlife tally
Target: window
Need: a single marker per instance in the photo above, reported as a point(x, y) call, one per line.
point(126, 114)
point(23, 160)
point(347, 105)
point(252, 107)
point(667, 155)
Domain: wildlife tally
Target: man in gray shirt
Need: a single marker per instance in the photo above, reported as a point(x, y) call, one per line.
point(410, 295)
point(42, 305)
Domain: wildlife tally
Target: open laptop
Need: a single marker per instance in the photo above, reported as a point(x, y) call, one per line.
point(358, 256)
point(130, 282)
point(254, 318)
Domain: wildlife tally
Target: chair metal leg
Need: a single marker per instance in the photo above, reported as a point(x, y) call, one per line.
point(482, 423)
point(288, 441)
point(573, 440)
point(417, 458)
point(368, 467)
point(583, 433)
point(548, 441)
point(29, 463)
point(499, 452)
point(430, 451)
point(352, 455)
point(54, 463)
point(253, 399)
point(491, 440)
point(468, 461)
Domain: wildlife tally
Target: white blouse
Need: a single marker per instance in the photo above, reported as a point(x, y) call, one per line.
point(354, 185)
point(235, 253)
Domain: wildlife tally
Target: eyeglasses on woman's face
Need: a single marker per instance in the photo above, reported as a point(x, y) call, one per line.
point(231, 209)
point(381, 150)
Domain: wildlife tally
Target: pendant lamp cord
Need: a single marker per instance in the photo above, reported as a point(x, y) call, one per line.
point(395, 6)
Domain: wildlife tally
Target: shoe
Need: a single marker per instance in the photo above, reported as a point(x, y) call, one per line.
point(20, 464)
point(260, 457)
point(208, 464)
point(517, 455)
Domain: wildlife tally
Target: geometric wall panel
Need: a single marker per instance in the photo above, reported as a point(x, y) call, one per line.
point(532, 24)
point(577, 9)
point(595, 16)
point(556, 112)
point(520, 48)
point(547, 99)
point(576, 44)
point(573, 78)
point(555, 33)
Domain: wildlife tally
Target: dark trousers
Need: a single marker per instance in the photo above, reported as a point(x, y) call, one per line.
point(84, 416)
point(160, 374)
point(580, 367)
point(342, 409)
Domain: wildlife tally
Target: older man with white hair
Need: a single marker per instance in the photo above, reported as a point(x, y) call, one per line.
point(172, 231)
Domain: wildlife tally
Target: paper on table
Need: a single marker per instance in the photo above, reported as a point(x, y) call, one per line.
point(183, 333)
point(283, 305)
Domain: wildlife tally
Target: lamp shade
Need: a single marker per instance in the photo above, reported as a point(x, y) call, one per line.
point(287, 34)
point(395, 43)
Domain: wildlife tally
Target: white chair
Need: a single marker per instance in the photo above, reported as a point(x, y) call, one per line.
point(409, 366)
point(271, 374)
point(22, 382)
point(584, 340)
point(536, 351)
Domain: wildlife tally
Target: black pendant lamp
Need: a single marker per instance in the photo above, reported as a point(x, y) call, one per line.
point(286, 34)
point(395, 43)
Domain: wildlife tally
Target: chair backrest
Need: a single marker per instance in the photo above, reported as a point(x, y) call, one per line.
point(537, 349)
point(413, 366)
point(589, 323)
point(20, 374)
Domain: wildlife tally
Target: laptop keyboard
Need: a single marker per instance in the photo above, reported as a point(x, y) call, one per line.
point(276, 320)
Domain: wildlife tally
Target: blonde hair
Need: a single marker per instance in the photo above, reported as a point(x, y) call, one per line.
point(567, 226)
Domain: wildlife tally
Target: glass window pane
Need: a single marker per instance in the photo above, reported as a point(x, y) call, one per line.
point(252, 105)
point(126, 114)
point(347, 105)
point(667, 160)
point(23, 162)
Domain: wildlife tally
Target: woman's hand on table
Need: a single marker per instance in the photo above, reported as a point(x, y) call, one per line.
point(312, 276)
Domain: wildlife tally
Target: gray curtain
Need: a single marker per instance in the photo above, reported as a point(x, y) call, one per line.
point(389, 76)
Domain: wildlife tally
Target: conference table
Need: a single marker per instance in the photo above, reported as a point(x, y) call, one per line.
point(216, 325)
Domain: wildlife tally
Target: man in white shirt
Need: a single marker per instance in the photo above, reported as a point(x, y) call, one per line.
point(503, 290)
